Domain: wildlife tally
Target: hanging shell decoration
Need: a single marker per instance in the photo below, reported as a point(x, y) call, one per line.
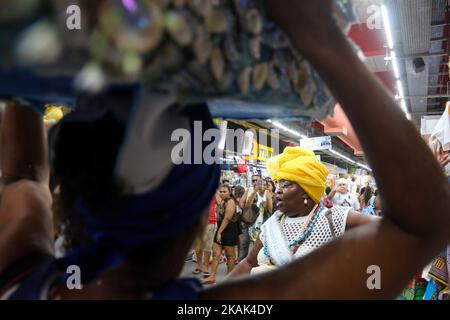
point(201, 50)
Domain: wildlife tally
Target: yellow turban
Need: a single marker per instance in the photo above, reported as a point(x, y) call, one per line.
point(301, 166)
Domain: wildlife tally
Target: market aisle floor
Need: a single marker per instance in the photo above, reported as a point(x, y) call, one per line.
point(189, 266)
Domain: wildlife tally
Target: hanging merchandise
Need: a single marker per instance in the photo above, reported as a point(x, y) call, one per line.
point(242, 166)
point(438, 270)
point(415, 289)
point(226, 52)
point(434, 288)
point(440, 137)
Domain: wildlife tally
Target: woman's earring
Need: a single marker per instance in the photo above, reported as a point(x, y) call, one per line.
point(305, 202)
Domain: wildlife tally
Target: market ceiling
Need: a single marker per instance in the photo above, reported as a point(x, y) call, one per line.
point(419, 29)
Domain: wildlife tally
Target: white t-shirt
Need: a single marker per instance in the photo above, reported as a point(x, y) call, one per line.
point(346, 200)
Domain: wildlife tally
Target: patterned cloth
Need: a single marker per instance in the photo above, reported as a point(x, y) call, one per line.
point(415, 289)
point(439, 270)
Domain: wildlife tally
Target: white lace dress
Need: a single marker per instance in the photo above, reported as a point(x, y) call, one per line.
point(320, 234)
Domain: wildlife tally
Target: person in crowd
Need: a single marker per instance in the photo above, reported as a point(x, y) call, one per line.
point(325, 201)
point(244, 239)
point(263, 200)
point(340, 196)
point(254, 180)
point(443, 157)
point(378, 203)
point(238, 193)
point(302, 224)
point(361, 192)
point(271, 191)
point(226, 238)
point(130, 247)
point(203, 245)
point(352, 185)
point(367, 202)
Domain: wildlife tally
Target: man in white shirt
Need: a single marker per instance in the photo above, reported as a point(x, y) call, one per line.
point(353, 185)
point(341, 196)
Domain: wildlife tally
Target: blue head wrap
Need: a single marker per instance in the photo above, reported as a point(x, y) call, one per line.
point(117, 231)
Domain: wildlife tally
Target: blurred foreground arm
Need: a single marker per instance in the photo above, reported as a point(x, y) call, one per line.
point(25, 210)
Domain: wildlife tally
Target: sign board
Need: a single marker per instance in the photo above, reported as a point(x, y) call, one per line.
point(259, 152)
point(319, 143)
point(332, 169)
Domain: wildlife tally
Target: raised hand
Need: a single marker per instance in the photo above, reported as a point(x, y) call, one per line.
point(309, 20)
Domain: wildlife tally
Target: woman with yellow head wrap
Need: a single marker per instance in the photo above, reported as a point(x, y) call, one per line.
point(301, 223)
point(301, 166)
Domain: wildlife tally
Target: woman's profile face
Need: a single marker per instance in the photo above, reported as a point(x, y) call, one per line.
point(290, 197)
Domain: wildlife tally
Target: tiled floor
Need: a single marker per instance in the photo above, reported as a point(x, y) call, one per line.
point(190, 266)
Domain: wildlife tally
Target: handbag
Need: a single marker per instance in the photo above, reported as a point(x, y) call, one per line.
point(250, 215)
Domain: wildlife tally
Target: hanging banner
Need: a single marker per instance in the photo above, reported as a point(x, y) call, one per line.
point(318, 143)
point(259, 152)
point(264, 152)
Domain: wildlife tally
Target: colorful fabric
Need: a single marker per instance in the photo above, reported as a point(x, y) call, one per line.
point(300, 165)
point(408, 292)
point(326, 202)
point(212, 212)
point(439, 270)
point(420, 288)
point(415, 289)
point(370, 209)
point(448, 263)
point(433, 290)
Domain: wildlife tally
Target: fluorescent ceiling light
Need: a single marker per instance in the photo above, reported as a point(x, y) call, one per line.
point(395, 65)
point(283, 127)
point(387, 26)
point(403, 106)
point(400, 89)
point(342, 156)
point(363, 166)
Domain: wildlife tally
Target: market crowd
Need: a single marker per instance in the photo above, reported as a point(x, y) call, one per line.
point(99, 191)
point(231, 233)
